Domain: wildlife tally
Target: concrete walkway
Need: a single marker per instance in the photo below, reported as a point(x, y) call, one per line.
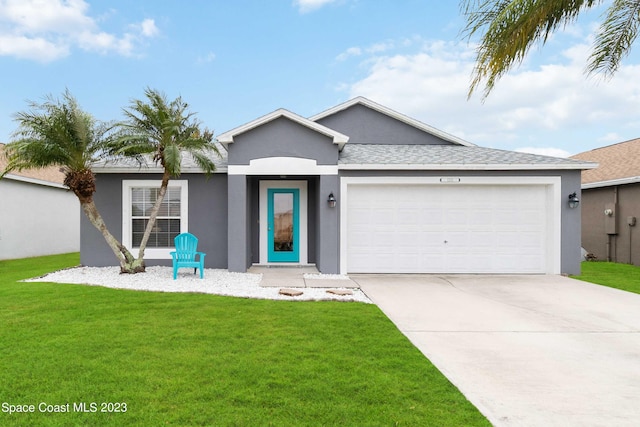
point(294, 277)
point(526, 350)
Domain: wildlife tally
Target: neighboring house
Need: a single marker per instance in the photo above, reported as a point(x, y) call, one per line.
point(38, 215)
point(408, 199)
point(611, 202)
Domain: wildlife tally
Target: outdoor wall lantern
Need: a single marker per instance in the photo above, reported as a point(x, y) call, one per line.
point(573, 201)
point(331, 200)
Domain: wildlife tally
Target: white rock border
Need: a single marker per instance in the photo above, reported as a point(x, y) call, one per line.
point(216, 281)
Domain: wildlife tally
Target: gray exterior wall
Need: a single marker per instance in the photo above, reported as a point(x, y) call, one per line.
point(612, 238)
point(328, 226)
point(571, 224)
point(570, 220)
point(239, 239)
point(282, 138)
point(207, 218)
point(367, 126)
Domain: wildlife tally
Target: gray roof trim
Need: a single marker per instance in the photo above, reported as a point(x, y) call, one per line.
point(611, 183)
point(461, 166)
point(226, 138)
point(394, 114)
point(154, 169)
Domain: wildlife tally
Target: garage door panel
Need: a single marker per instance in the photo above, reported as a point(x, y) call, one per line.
point(447, 228)
point(383, 240)
point(481, 216)
point(530, 240)
point(481, 240)
point(456, 217)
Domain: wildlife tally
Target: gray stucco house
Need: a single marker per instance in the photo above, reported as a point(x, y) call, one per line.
point(358, 188)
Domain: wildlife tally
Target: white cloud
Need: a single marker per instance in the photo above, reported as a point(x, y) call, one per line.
point(48, 30)
point(59, 16)
point(547, 105)
point(209, 57)
point(37, 49)
point(380, 47)
point(375, 48)
point(305, 6)
point(104, 42)
point(148, 28)
point(611, 137)
point(352, 51)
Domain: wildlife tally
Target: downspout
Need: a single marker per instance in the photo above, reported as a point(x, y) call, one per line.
point(630, 232)
point(611, 235)
point(615, 216)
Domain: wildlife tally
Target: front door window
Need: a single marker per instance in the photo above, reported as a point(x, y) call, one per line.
point(283, 213)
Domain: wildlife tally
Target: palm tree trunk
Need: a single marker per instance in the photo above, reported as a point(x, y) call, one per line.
point(119, 250)
point(153, 215)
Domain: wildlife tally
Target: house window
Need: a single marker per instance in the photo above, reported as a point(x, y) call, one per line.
point(139, 196)
point(167, 225)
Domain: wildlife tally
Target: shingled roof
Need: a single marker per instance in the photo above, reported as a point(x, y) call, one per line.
point(617, 162)
point(188, 164)
point(51, 174)
point(376, 156)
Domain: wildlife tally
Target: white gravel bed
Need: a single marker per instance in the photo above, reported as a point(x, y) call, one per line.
point(216, 281)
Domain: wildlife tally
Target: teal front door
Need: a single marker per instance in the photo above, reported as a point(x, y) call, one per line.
point(283, 217)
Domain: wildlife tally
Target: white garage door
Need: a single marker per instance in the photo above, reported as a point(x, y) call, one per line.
point(447, 228)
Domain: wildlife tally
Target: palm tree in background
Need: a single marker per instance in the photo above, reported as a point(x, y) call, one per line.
point(509, 28)
point(57, 132)
point(162, 132)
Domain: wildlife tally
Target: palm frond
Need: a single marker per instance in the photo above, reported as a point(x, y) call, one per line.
point(172, 160)
point(55, 132)
point(204, 161)
point(164, 129)
point(509, 29)
point(615, 37)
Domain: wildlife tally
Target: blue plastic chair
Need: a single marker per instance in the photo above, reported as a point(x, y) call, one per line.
point(186, 254)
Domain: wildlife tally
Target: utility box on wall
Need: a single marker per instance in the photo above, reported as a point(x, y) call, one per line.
point(610, 215)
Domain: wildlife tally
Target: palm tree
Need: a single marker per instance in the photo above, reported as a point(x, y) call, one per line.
point(162, 131)
point(509, 28)
point(58, 133)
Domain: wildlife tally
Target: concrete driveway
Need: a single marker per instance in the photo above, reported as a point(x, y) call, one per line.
point(525, 350)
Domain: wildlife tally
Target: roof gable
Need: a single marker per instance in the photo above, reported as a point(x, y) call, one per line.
point(326, 116)
point(227, 138)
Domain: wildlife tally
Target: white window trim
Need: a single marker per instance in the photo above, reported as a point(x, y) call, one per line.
point(553, 185)
point(127, 185)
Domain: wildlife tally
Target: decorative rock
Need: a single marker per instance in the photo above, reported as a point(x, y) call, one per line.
point(342, 292)
point(290, 292)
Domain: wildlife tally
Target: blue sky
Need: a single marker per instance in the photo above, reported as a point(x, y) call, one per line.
point(234, 61)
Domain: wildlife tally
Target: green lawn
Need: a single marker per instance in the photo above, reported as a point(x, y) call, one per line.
point(620, 276)
point(194, 359)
